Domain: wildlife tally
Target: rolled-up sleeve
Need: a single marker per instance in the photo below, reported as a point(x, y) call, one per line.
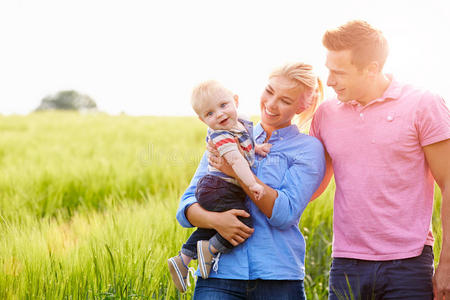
point(299, 183)
point(188, 198)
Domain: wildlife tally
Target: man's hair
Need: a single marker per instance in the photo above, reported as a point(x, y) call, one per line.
point(207, 90)
point(302, 74)
point(366, 42)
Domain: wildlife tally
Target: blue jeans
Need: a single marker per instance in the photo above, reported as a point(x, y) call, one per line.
point(409, 278)
point(231, 289)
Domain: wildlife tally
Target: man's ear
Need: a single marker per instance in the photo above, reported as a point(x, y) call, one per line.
point(373, 68)
point(236, 100)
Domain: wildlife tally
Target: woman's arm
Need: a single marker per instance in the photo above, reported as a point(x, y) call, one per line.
point(299, 183)
point(188, 197)
point(300, 180)
point(190, 213)
point(265, 204)
point(226, 223)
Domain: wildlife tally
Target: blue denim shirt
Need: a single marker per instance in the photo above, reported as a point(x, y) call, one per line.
point(294, 167)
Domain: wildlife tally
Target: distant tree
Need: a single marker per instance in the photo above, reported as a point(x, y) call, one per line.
point(67, 100)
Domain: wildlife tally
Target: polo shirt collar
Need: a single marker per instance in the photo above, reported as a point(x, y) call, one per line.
point(393, 92)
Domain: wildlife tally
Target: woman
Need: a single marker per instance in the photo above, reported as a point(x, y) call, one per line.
point(270, 263)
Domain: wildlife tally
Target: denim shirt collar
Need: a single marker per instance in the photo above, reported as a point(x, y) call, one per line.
point(282, 133)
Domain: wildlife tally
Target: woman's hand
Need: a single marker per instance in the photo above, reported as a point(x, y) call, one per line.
point(218, 161)
point(231, 228)
point(226, 223)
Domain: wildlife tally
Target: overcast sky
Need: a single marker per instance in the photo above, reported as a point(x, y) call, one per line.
point(144, 57)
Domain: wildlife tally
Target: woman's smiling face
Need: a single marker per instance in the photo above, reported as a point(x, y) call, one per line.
point(281, 100)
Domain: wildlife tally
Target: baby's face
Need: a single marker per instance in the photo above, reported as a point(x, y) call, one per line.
point(219, 113)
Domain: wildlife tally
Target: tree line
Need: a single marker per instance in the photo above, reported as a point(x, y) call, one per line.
point(67, 100)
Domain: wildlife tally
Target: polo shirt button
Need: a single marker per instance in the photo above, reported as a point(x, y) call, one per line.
point(361, 115)
point(275, 132)
point(390, 118)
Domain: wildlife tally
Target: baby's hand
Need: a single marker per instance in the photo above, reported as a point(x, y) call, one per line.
point(262, 149)
point(257, 190)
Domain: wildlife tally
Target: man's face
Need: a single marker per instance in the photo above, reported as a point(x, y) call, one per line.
point(346, 79)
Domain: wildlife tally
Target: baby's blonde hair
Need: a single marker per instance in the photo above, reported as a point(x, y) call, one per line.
point(207, 90)
point(301, 74)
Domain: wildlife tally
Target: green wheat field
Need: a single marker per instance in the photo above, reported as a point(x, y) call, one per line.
point(88, 202)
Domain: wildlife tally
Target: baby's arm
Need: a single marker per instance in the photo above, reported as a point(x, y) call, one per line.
point(263, 149)
point(241, 168)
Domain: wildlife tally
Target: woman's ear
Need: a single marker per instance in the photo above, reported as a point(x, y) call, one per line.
point(299, 110)
point(236, 100)
point(301, 104)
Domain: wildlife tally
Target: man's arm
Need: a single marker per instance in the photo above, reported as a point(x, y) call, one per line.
point(326, 179)
point(437, 156)
point(314, 131)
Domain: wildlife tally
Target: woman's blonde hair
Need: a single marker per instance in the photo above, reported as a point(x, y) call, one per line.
point(302, 74)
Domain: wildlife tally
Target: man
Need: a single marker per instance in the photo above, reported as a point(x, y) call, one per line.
point(386, 143)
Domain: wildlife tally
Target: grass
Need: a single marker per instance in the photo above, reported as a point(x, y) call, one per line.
point(87, 207)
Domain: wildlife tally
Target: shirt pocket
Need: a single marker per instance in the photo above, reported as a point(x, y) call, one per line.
point(272, 169)
point(387, 129)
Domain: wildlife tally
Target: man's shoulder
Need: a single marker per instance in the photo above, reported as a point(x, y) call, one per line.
point(328, 104)
point(327, 107)
point(416, 93)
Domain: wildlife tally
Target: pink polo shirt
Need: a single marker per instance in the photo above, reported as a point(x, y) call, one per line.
point(384, 188)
